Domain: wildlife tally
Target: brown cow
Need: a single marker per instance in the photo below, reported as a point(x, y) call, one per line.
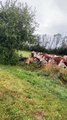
point(58, 59)
point(29, 60)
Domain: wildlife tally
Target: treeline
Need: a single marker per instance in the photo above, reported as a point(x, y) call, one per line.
point(58, 51)
point(44, 43)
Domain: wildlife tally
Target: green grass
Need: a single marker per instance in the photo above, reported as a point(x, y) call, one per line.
point(24, 53)
point(24, 95)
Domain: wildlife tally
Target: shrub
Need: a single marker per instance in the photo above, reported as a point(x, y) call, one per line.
point(8, 56)
point(51, 68)
point(63, 75)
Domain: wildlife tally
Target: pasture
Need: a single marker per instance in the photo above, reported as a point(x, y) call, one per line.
point(24, 53)
point(27, 94)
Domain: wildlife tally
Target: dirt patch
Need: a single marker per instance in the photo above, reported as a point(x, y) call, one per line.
point(39, 116)
point(1, 94)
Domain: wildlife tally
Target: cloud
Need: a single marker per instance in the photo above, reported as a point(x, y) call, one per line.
point(54, 17)
point(51, 15)
point(62, 4)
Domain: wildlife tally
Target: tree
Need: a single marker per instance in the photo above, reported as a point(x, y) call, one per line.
point(17, 25)
point(57, 41)
point(64, 42)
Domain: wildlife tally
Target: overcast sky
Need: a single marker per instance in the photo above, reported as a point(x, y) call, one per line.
point(50, 14)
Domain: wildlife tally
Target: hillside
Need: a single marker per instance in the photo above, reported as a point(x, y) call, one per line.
point(24, 95)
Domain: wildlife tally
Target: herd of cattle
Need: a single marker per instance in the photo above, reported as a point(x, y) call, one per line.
point(44, 59)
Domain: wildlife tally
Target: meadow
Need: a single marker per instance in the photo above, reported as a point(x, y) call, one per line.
point(29, 94)
point(24, 53)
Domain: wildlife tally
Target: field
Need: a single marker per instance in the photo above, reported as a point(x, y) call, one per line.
point(25, 94)
point(24, 53)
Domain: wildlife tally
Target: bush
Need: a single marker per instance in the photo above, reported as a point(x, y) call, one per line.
point(51, 68)
point(63, 75)
point(8, 56)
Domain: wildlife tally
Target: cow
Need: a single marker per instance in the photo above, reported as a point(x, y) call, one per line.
point(29, 60)
point(62, 64)
point(58, 59)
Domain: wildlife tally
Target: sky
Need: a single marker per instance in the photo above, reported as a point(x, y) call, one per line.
point(51, 15)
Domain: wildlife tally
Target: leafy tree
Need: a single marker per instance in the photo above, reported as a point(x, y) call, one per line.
point(17, 25)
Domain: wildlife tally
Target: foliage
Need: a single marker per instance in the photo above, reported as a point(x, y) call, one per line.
point(55, 45)
point(17, 24)
point(63, 75)
point(8, 56)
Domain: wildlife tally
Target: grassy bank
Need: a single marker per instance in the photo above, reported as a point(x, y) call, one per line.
point(24, 95)
point(28, 92)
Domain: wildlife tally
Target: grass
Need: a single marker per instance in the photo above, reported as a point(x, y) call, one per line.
point(24, 53)
point(26, 96)
point(29, 94)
